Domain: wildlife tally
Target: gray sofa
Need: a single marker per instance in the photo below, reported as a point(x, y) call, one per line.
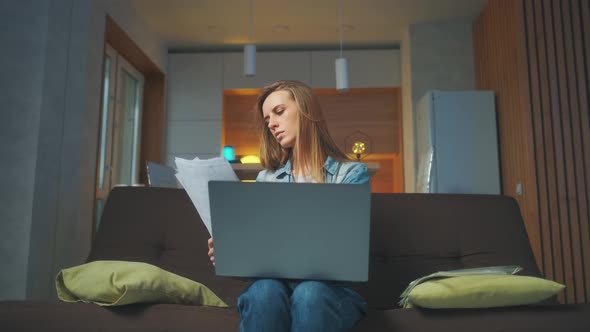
point(411, 235)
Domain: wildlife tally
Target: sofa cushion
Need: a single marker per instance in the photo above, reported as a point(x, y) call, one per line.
point(482, 291)
point(413, 235)
point(112, 283)
point(160, 226)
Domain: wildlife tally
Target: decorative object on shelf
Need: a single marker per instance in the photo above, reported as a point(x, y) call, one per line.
point(228, 153)
point(358, 145)
point(358, 148)
point(341, 65)
point(250, 48)
point(250, 159)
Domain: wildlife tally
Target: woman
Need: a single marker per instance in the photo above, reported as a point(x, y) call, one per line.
point(295, 146)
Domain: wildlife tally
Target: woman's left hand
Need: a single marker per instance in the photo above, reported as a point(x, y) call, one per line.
point(210, 253)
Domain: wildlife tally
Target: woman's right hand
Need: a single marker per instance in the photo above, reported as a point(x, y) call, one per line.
point(210, 253)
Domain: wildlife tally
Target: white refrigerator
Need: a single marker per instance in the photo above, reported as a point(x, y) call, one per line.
point(457, 143)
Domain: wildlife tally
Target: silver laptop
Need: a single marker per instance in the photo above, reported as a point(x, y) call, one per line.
point(292, 231)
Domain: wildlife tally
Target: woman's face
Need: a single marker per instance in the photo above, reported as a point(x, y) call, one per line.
point(279, 111)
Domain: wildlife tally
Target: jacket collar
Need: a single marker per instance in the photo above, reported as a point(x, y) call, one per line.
point(331, 166)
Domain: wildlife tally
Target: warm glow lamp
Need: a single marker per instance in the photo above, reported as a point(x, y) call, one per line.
point(358, 145)
point(358, 148)
point(250, 159)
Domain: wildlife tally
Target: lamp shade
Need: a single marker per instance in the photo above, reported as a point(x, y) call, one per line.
point(249, 60)
point(341, 74)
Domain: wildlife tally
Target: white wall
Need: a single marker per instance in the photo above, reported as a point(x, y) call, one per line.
point(366, 69)
point(51, 82)
point(442, 56)
point(196, 83)
point(194, 98)
point(123, 13)
point(22, 62)
point(436, 55)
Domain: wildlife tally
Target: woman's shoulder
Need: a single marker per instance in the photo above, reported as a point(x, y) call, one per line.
point(352, 163)
point(352, 172)
point(265, 175)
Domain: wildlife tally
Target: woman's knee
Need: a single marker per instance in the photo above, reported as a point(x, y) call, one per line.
point(312, 293)
point(264, 306)
point(267, 292)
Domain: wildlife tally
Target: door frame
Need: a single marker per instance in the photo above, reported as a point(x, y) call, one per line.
point(153, 117)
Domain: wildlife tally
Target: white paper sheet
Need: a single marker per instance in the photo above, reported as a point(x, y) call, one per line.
point(194, 176)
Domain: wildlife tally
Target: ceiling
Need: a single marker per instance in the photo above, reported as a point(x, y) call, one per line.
point(225, 24)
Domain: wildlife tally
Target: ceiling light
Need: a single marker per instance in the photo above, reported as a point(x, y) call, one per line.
point(250, 49)
point(341, 65)
point(250, 60)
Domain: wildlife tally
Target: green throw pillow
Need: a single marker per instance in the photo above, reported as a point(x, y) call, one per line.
point(482, 291)
point(112, 283)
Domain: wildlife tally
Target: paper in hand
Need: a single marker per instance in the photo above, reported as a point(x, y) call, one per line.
point(194, 176)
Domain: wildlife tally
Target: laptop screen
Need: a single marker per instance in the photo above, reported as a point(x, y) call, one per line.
point(293, 231)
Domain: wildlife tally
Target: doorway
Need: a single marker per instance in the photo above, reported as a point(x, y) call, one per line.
point(120, 127)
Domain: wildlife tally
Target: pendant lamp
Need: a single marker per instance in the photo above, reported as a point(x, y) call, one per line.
point(250, 50)
point(341, 65)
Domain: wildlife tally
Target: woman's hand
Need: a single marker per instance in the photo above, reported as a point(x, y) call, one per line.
point(210, 253)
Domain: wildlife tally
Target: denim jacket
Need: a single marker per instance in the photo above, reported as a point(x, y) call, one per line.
point(336, 172)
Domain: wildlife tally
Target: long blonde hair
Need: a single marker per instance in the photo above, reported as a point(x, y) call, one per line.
point(313, 143)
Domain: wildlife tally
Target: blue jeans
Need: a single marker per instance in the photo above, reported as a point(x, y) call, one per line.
point(275, 305)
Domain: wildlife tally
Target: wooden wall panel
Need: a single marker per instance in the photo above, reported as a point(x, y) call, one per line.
point(581, 126)
point(535, 55)
point(238, 128)
point(390, 177)
point(499, 64)
point(555, 155)
point(383, 181)
point(535, 108)
point(564, 48)
point(152, 123)
point(375, 112)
